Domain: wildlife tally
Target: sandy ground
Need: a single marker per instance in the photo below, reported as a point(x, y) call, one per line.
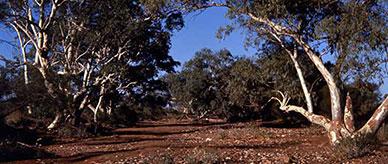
point(170, 141)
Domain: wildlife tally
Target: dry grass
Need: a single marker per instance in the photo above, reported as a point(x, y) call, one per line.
point(349, 148)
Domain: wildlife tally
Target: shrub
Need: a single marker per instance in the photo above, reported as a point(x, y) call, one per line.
point(355, 147)
point(71, 131)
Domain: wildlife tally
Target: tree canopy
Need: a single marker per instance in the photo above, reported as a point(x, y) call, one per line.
point(94, 55)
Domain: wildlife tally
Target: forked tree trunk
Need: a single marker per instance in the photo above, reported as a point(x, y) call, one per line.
point(337, 127)
point(341, 126)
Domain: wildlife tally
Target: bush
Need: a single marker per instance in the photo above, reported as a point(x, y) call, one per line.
point(235, 114)
point(122, 117)
point(355, 147)
point(71, 131)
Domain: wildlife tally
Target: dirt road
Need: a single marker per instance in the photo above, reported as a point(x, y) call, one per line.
point(184, 142)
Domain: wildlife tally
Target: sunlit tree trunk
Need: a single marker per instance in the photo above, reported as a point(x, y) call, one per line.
point(23, 44)
point(337, 128)
point(37, 34)
point(293, 55)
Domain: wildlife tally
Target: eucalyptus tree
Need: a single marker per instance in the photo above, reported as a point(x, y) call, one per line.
point(199, 86)
point(353, 32)
point(220, 84)
point(245, 89)
point(86, 50)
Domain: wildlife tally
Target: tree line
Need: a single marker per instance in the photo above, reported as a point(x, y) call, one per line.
point(218, 84)
point(82, 60)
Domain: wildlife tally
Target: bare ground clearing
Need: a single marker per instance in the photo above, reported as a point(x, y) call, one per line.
point(171, 141)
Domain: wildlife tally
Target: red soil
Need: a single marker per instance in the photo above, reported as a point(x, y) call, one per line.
point(184, 142)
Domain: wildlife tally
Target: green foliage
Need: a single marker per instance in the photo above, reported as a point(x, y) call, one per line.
point(12, 85)
point(354, 32)
point(125, 42)
point(233, 88)
point(198, 87)
point(244, 83)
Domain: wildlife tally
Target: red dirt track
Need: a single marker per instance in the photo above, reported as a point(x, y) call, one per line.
point(184, 142)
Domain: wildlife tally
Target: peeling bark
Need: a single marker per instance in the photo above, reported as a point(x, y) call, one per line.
point(313, 118)
point(341, 125)
point(293, 55)
point(348, 115)
point(336, 111)
point(376, 120)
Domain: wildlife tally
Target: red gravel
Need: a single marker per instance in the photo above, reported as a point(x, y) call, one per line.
point(184, 142)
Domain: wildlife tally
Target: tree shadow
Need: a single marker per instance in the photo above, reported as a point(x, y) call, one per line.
point(15, 152)
point(84, 156)
point(193, 124)
point(260, 146)
point(153, 132)
point(121, 141)
point(282, 145)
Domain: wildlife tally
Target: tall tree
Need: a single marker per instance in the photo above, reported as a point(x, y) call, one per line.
point(85, 50)
point(348, 30)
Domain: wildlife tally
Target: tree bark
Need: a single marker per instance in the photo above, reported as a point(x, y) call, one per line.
point(348, 115)
point(313, 118)
point(57, 119)
point(336, 112)
point(293, 55)
point(338, 128)
point(377, 119)
point(23, 45)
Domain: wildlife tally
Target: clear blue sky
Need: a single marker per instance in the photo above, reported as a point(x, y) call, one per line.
point(199, 32)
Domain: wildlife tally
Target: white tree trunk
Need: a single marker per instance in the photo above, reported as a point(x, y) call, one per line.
point(337, 127)
point(377, 119)
point(336, 111)
point(55, 122)
point(293, 55)
point(302, 83)
point(348, 115)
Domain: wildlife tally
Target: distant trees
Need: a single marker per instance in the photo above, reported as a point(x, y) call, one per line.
point(198, 88)
point(93, 54)
point(237, 88)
